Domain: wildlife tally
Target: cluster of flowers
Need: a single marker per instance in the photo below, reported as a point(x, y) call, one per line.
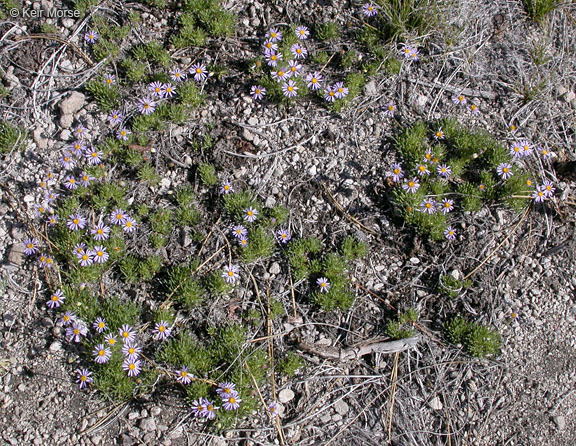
point(286, 75)
point(32, 247)
point(157, 92)
point(204, 408)
point(460, 100)
point(250, 215)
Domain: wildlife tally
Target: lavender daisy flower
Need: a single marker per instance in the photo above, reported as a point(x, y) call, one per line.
point(99, 254)
point(80, 131)
point(396, 173)
point(548, 187)
point(198, 408)
point(56, 299)
point(526, 147)
point(411, 185)
point(101, 354)
point(370, 9)
point(539, 195)
point(129, 225)
point(100, 325)
point(70, 183)
point(250, 214)
point(231, 402)
point(389, 109)
point(414, 54)
point(118, 217)
point(273, 409)
point(31, 246)
point(168, 90)
point(127, 333)
point(68, 318)
point(177, 75)
point(294, 68)
point(146, 106)
point(257, 92)
point(67, 161)
point(439, 134)
point(458, 99)
point(93, 156)
point(91, 36)
point(50, 196)
point(100, 232)
point(298, 51)
point(243, 242)
point(210, 412)
point(226, 188)
point(272, 58)
point(544, 152)
point(41, 209)
point(239, 231)
point(132, 367)
point(274, 35)
point(444, 170)
point(109, 80)
point(428, 206)
point(199, 71)
point(76, 222)
point(85, 179)
point(85, 258)
point(79, 248)
point(76, 332)
point(314, 81)
point(183, 376)
point(110, 339)
point(52, 220)
point(329, 94)
point(226, 388)
point(515, 150)
point(156, 89)
point(450, 233)
point(302, 32)
point(45, 261)
point(340, 91)
point(406, 50)
point(162, 330)
point(230, 274)
point(289, 89)
point(280, 75)
point(77, 148)
point(115, 117)
point(473, 108)
point(504, 171)
point(123, 134)
point(269, 46)
point(83, 377)
point(283, 236)
point(324, 284)
point(422, 169)
point(131, 351)
point(447, 205)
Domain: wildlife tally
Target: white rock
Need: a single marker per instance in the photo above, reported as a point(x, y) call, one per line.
point(435, 404)
point(74, 102)
point(66, 121)
point(148, 424)
point(560, 422)
point(40, 141)
point(274, 268)
point(286, 395)
point(55, 346)
point(414, 260)
point(341, 407)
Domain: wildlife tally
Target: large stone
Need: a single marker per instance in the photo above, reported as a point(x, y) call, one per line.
point(72, 103)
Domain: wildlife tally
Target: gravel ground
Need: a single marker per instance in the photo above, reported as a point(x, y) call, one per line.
point(327, 167)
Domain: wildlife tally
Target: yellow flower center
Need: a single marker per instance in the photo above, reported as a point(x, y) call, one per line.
point(232, 400)
point(230, 273)
point(83, 378)
point(76, 221)
point(411, 183)
point(101, 353)
point(161, 328)
point(55, 298)
point(132, 366)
